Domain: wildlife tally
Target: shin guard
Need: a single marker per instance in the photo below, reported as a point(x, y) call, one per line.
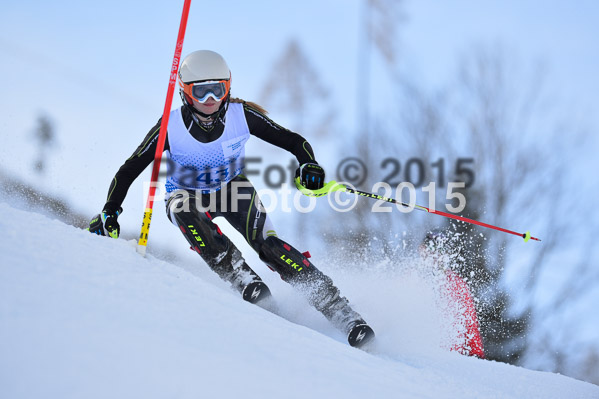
point(317, 287)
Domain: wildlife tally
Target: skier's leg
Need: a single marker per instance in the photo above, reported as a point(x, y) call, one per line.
point(297, 270)
point(245, 212)
point(251, 220)
point(217, 250)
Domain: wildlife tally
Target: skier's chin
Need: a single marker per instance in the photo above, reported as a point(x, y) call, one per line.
point(207, 107)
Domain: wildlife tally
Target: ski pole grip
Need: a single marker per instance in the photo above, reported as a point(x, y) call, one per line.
point(328, 188)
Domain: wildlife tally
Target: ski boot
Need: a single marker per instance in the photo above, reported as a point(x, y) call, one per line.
point(340, 313)
point(244, 280)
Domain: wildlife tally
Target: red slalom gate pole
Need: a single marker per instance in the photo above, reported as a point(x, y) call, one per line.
point(145, 226)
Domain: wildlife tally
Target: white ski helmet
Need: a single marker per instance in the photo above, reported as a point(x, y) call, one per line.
point(203, 65)
point(204, 74)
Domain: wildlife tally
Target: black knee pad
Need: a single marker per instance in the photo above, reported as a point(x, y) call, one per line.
point(203, 235)
point(291, 264)
point(295, 269)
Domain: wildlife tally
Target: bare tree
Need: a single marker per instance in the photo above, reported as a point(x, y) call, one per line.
point(368, 233)
point(45, 137)
point(298, 92)
point(505, 121)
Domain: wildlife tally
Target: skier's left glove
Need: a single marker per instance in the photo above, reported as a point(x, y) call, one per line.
point(106, 223)
point(311, 176)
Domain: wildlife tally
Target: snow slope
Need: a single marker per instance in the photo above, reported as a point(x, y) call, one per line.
point(83, 316)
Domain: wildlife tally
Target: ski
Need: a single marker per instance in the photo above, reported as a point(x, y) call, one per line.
point(360, 335)
point(255, 292)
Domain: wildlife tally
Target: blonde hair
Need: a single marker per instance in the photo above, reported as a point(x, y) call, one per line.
point(249, 104)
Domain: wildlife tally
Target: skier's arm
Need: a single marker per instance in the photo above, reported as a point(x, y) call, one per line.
point(133, 166)
point(264, 128)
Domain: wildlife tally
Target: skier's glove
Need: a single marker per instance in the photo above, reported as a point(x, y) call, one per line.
point(106, 223)
point(311, 176)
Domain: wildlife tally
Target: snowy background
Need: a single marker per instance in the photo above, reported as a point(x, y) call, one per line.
point(99, 73)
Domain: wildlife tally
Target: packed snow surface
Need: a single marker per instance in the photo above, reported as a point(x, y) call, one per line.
point(83, 316)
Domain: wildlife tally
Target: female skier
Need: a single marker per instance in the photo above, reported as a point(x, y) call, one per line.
point(205, 153)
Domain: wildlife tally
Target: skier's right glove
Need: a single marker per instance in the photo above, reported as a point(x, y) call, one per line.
point(106, 223)
point(311, 176)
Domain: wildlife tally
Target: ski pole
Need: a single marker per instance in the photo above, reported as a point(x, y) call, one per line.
point(333, 186)
point(145, 226)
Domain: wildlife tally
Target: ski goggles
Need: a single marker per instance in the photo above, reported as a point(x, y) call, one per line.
point(201, 91)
